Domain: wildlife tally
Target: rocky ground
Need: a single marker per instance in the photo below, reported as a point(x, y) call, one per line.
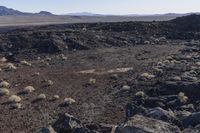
point(130, 77)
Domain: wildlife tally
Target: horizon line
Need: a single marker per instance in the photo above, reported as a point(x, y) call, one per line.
point(108, 14)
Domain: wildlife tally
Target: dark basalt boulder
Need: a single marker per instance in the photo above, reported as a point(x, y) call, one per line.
point(187, 23)
point(192, 120)
point(69, 124)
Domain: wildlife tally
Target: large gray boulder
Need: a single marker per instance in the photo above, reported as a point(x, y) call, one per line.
point(142, 124)
point(161, 114)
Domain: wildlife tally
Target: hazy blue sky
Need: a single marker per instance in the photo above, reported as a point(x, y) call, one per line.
point(105, 6)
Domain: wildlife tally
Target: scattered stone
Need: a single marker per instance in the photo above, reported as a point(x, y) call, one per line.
point(161, 114)
point(48, 59)
point(166, 62)
point(175, 62)
point(198, 63)
point(147, 42)
point(189, 57)
point(176, 78)
point(169, 57)
point(132, 110)
point(63, 57)
point(188, 107)
point(160, 64)
point(153, 102)
point(192, 72)
point(189, 78)
point(38, 58)
point(182, 114)
point(197, 127)
point(158, 70)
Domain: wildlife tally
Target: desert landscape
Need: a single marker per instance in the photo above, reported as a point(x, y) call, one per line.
point(10, 17)
point(103, 77)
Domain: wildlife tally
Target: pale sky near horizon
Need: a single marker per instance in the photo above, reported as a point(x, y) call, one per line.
point(105, 6)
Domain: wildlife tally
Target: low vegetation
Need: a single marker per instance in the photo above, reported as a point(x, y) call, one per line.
point(4, 91)
point(69, 101)
point(29, 89)
point(14, 99)
point(41, 97)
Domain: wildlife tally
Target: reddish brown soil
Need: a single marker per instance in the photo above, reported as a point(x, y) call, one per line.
point(99, 103)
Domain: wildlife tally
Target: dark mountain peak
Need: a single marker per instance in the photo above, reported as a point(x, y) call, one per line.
point(84, 14)
point(2, 7)
point(45, 13)
point(4, 11)
point(9, 11)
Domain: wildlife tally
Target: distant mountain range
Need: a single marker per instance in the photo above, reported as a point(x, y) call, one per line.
point(84, 14)
point(4, 11)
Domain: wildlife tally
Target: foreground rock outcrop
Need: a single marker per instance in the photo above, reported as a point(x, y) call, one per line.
point(141, 124)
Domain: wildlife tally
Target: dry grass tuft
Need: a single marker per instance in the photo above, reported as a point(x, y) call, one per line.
point(56, 97)
point(4, 91)
point(69, 101)
point(4, 84)
point(147, 76)
point(25, 63)
point(10, 66)
point(14, 99)
point(92, 81)
point(140, 94)
point(41, 97)
point(182, 98)
point(29, 89)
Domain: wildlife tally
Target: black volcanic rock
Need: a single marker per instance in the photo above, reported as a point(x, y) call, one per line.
point(188, 23)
